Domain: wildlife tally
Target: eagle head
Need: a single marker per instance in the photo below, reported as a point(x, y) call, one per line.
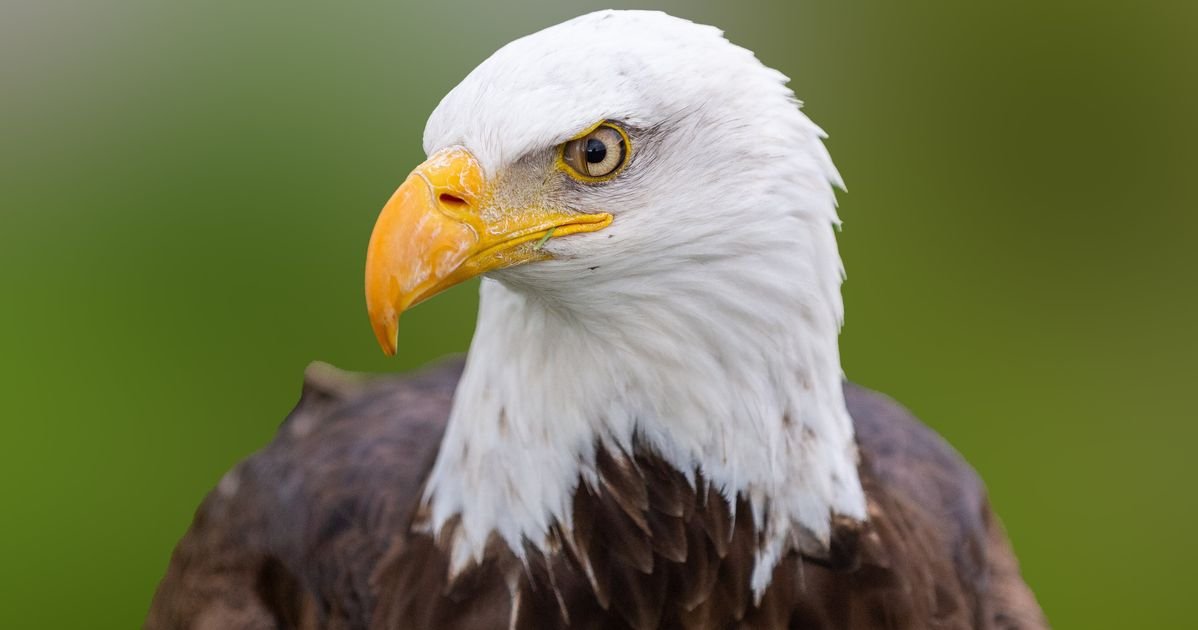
point(654, 220)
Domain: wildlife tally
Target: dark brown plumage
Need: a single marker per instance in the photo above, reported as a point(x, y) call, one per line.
point(315, 531)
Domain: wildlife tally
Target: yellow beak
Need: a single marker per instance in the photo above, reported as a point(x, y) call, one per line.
point(441, 228)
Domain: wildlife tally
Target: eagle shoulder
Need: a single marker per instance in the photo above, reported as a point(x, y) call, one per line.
point(932, 531)
point(290, 536)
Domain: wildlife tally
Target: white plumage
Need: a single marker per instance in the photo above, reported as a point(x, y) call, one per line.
point(704, 320)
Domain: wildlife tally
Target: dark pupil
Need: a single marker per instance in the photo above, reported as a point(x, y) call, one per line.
point(596, 151)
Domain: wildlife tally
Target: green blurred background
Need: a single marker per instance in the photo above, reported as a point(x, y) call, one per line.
point(187, 188)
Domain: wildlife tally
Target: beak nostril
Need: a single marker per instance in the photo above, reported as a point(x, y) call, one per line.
point(451, 200)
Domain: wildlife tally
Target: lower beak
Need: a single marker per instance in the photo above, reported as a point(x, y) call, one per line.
point(440, 228)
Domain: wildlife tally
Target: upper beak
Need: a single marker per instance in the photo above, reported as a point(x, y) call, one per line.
point(441, 228)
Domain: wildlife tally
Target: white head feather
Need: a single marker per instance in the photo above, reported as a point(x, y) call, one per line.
point(704, 320)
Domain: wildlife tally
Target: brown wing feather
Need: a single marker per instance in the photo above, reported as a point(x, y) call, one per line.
point(932, 528)
point(291, 536)
point(314, 532)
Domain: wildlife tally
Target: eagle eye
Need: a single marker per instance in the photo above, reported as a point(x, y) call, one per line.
point(597, 155)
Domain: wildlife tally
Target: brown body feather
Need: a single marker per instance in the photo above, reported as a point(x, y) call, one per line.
point(315, 532)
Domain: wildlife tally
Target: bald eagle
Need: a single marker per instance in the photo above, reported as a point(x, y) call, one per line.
point(651, 428)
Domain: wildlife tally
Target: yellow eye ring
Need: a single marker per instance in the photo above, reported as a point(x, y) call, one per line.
point(597, 154)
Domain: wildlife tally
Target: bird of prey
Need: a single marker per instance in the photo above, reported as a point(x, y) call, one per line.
point(651, 428)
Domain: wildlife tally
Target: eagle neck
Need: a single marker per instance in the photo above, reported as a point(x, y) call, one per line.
point(748, 399)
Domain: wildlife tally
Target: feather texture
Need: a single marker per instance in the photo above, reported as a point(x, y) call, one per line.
point(315, 533)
